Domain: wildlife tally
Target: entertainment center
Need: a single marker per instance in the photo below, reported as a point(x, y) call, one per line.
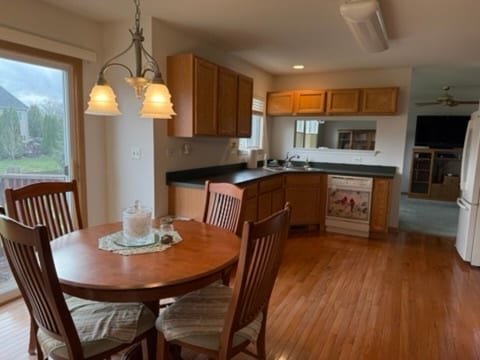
point(435, 174)
point(436, 161)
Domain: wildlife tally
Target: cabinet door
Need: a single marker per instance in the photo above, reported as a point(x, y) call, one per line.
point(251, 193)
point(380, 100)
point(245, 98)
point(304, 192)
point(205, 86)
point(226, 102)
point(264, 205)
point(280, 103)
point(380, 205)
point(343, 101)
point(309, 102)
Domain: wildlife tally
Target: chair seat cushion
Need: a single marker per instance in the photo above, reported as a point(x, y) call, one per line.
point(101, 325)
point(198, 318)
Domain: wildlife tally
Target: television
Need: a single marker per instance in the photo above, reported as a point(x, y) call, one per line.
point(441, 131)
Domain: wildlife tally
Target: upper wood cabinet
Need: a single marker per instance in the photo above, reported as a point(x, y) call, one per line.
point(343, 101)
point(309, 102)
point(362, 101)
point(379, 100)
point(209, 100)
point(280, 103)
point(244, 111)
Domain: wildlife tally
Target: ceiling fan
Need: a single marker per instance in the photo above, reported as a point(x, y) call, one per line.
point(446, 99)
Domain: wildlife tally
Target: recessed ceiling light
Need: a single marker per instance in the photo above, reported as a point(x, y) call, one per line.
point(298, 67)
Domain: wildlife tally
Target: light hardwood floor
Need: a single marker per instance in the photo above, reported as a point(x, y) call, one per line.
point(337, 297)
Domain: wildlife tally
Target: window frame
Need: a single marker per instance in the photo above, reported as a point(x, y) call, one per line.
point(76, 131)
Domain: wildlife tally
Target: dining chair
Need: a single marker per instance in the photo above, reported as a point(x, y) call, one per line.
point(68, 327)
point(224, 207)
point(45, 203)
point(219, 321)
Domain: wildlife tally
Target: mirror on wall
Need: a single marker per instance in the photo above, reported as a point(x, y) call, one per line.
point(335, 134)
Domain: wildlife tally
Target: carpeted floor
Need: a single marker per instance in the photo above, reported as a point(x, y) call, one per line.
point(428, 216)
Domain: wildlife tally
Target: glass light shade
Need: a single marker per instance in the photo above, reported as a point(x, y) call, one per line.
point(157, 103)
point(102, 101)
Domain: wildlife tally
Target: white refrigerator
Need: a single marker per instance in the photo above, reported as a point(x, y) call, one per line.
point(468, 231)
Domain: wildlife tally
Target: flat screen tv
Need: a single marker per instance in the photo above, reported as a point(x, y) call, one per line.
point(441, 131)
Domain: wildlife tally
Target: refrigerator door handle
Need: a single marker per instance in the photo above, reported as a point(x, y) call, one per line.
point(462, 204)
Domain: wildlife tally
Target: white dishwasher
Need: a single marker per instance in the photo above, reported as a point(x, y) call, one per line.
point(348, 205)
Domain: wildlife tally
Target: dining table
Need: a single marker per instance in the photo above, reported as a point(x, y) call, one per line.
point(84, 270)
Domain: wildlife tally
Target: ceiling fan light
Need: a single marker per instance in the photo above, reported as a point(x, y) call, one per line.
point(102, 101)
point(157, 103)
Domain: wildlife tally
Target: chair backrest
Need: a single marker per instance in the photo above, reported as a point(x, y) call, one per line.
point(30, 258)
point(259, 260)
point(224, 206)
point(46, 203)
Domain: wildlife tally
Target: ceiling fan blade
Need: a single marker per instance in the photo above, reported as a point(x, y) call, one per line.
point(427, 103)
point(467, 101)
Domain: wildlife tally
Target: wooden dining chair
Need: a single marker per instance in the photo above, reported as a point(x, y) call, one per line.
point(219, 321)
point(224, 207)
point(46, 203)
point(68, 327)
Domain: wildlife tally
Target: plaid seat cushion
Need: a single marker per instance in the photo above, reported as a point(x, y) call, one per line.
point(199, 317)
point(101, 325)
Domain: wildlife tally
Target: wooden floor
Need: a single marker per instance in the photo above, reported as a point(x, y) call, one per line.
point(339, 297)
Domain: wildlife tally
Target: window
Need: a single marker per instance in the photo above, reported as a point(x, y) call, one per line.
point(41, 125)
point(255, 141)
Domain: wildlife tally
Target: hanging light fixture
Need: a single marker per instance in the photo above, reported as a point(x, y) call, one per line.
point(156, 103)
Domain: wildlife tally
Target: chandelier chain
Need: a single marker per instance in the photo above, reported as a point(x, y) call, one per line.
point(137, 14)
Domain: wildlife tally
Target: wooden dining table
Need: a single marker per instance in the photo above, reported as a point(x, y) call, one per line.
point(88, 272)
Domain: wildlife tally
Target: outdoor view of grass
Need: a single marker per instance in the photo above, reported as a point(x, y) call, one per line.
point(42, 164)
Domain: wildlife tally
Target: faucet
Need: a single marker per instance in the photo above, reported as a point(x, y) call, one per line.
point(288, 159)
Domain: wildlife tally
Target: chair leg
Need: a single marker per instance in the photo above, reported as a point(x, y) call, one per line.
point(162, 348)
point(32, 343)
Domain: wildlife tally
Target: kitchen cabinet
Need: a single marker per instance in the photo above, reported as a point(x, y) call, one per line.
point(280, 103)
point(435, 174)
point(343, 101)
point(244, 110)
point(306, 194)
point(209, 100)
point(270, 196)
point(251, 199)
point(380, 206)
point(357, 101)
point(379, 100)
point(309, 102)
point(303, 102)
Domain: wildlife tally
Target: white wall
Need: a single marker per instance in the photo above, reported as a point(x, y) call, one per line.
point(391, 130)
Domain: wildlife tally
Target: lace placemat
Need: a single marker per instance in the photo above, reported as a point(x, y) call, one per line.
point(111, 242)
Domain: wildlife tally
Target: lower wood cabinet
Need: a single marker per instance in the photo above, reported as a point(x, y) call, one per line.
point(306, 194)
point(270, 196)
point(380, 206)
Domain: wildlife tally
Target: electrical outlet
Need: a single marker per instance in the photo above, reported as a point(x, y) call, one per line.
point(135, 153)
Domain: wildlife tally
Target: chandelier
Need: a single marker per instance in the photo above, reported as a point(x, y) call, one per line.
point(156, 103)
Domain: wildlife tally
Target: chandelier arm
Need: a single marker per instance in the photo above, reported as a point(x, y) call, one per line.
point(157, 75)
point(109, 63)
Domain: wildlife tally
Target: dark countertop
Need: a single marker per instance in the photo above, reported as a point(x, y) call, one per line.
point(239, 174)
